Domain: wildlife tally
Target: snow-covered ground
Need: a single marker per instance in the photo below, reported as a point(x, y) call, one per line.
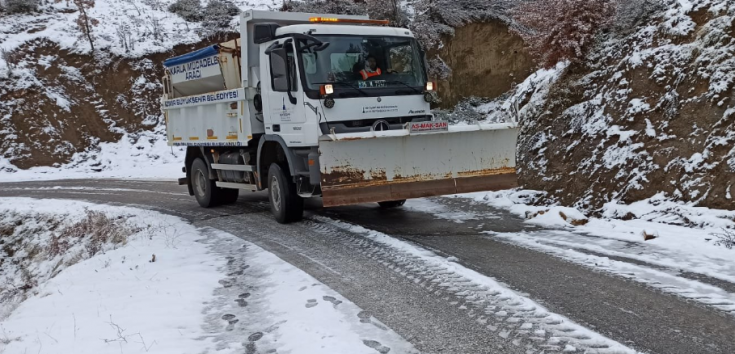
point(167, 287)
point(665, 244)
point(149, 157)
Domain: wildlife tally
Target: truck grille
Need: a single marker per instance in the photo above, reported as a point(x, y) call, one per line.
point(366, 125)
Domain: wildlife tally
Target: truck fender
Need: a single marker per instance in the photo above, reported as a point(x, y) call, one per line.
point(294, 162)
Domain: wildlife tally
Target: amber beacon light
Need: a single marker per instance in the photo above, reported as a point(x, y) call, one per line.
point(347, 20)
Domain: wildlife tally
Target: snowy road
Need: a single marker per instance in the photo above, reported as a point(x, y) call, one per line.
point(455, 303)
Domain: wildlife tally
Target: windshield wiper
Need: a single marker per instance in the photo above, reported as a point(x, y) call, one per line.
point(404, 84)
point(348, 85)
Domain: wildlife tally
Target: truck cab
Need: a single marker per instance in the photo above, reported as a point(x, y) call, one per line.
point(345, 79)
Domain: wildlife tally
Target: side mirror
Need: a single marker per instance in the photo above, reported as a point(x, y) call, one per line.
point(279, 69)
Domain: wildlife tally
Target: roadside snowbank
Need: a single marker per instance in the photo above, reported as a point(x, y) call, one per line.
point(119, 300)
point(165, 287)
point(658, 220)
point(674, 247)
point(147, 157)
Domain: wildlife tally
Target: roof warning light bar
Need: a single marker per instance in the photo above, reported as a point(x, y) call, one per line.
point(346, 20)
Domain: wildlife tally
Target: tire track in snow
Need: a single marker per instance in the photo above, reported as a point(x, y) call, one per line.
point(501, 311)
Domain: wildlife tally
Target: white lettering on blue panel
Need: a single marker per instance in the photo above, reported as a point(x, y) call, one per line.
point(193, 69)
point(205, 98)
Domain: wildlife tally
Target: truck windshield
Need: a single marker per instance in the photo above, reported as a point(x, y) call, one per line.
point(365, 63)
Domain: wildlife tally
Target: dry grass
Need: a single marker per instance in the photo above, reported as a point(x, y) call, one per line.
point(27, 241)
point(95, 231)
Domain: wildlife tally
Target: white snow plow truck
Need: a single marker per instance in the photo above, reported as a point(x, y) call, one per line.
point(330, 106)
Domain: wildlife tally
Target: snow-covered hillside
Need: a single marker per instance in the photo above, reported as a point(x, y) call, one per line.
point(648, 111)
point(60, 102)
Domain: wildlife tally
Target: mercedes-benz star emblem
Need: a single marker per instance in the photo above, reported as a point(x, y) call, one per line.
point(380, 99)
point(381, 125)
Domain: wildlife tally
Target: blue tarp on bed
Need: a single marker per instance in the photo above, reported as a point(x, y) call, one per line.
point(195, 55)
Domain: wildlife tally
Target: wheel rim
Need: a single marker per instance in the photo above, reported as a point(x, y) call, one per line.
point(275, 193)
point(199, 183)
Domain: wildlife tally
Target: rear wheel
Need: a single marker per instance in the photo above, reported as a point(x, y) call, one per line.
point(286, 205)
point(392, 204)
point(205, 191)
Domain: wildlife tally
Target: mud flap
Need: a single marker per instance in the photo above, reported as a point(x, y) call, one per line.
point(383, 166)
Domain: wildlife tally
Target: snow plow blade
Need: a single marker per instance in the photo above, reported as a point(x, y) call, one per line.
point(396, 165)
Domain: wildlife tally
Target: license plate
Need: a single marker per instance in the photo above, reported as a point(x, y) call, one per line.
point(428, 127)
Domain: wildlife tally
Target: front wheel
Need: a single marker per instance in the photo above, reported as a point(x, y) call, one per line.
point(392, 204)
point(286, 205)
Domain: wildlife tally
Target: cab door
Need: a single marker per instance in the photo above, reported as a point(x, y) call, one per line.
point(285, 97)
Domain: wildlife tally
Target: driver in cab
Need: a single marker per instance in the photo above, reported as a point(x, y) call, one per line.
point(371, 69)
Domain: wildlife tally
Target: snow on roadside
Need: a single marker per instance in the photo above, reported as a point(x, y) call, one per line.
point(508, 314)
point(662, 243)
point(603, 255)
point(683, 235)
point(118, 300)
point(207, 291)
point(145, 157)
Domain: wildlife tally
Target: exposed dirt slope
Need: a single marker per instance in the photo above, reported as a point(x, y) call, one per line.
point(486, 61)
point(76, 101)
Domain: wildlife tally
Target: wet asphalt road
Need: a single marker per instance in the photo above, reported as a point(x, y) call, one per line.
point(628, 312)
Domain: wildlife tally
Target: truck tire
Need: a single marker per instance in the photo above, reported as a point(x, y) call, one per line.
point(392, 204)
point(205, 190)
point(227, 195)
point(286, 205)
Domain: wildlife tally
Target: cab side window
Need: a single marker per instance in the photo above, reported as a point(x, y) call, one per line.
point(283, 73)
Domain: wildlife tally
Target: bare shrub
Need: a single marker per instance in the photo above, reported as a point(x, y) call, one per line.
point(633, 13)
point(339, 7)
point(154, 4)
point(21, 6)
point(125, 37)
point(390, 10)
point(156, 27)
point(437, 18)
point(726, 239)
point(438, 69)
point(558, 30)
point(7, 57)
point(218, 15)
point(85, 22)
point(190, 10)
